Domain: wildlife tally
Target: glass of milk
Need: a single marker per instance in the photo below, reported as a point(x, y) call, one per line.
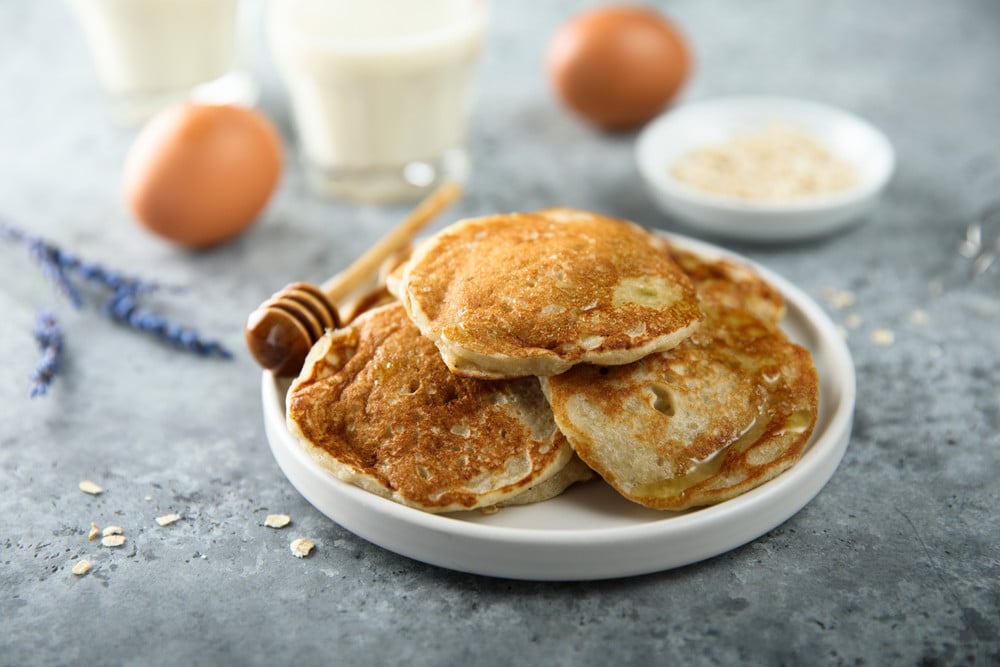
point(380, 90)
point(151, 53)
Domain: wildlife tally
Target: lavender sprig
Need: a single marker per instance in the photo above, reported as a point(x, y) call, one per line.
point(122, 305)
point(56, 264)
point(50, 342)
point(125, 308)
point(94, 273)
point(10, 232)
point(47, 259)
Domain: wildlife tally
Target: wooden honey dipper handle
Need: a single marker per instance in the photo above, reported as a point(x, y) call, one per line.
point(281, 331)
point(365, 266)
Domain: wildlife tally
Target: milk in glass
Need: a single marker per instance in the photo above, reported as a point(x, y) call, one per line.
point(380, 90)
point(149, 53)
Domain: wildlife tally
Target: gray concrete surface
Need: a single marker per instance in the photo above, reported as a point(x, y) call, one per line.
point(895, 562)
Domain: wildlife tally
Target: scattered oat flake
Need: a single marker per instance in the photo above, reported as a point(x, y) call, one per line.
point(918, 318)
point(89, 487)
point(148, 498)
point(853, 321)
point(168, 519)
point(837, 298)
point(113, 540)
point(277, 520)
point(301, 547)
point(112, 530)
point(94, 531)
point(82, 567)
point(883, 337)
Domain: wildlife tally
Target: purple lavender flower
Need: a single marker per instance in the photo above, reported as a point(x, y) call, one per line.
point(50, 341)
point(124, 307)
point(10, 233)
point(57, 264)
point(46, 258)
point(96, 274)
point(121, 306)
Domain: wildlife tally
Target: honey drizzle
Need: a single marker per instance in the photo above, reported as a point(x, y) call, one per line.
point(705, 468)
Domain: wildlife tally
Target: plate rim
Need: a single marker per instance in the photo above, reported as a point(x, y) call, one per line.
point(817, 465)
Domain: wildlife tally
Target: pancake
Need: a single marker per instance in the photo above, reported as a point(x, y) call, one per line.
point(536, 293)
point(723, 283)
point(731, 407)
point(376, 406)
point(571, 473)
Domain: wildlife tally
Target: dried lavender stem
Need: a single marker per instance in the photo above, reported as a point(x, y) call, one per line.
point(123, 307)
point(50, 341)
point(56, 263)
point(45, 257)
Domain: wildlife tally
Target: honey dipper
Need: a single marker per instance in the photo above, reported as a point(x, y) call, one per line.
point(282, 330)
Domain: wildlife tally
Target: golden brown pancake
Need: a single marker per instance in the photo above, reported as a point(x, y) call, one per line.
point(535, 293)
point(731, 407)
point(574, 471)
point(724, 283)
point(377, 407)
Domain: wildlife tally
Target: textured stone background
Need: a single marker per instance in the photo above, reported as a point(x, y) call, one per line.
point(895, 562)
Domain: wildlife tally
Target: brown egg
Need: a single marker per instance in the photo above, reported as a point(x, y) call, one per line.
point(200, 174)
point(618, 66)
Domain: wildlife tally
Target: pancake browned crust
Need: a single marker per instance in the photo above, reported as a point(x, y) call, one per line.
point(535, 293)
point(726, 410)
point(574, 471)
point(723, 283)
point(377, 407)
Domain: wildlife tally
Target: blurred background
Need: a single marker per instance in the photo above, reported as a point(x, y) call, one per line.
point(892, 63)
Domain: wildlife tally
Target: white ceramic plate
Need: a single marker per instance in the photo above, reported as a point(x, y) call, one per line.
point(663, 141)
point(590, 532)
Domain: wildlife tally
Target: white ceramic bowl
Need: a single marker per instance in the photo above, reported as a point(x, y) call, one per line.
point(591, 532)
point(692, 126)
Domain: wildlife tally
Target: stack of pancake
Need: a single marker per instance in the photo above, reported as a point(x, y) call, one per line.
point(519, 354)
